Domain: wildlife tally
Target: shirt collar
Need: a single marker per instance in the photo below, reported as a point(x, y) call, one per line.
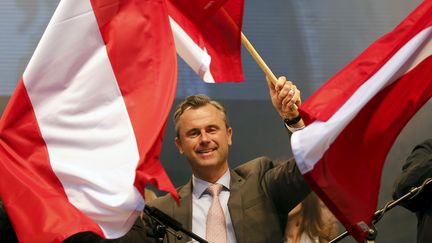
point(199, 186)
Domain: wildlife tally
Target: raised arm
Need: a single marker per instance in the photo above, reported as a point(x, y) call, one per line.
point(286, 99)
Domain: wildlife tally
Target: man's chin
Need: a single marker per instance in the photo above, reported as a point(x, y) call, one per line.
point(207, 162)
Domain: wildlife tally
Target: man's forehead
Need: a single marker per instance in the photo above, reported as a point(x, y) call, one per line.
point(207, 113)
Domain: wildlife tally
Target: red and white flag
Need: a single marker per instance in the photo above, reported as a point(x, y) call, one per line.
point(81, 135)
point(207, 37)
point(354, 118)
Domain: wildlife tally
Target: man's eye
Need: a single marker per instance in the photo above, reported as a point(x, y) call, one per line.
point(193, 134)
point(212, 130)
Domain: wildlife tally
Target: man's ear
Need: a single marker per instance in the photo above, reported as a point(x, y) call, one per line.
point(178, 145)
point(229, 133)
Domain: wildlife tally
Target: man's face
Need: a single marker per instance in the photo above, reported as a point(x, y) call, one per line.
point(204, 140)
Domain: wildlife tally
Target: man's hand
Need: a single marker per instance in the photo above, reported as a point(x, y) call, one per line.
point(285, 98)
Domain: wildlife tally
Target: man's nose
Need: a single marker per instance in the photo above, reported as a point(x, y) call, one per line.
point(205, 137)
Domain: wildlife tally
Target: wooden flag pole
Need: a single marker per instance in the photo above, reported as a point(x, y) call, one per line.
point(255, 55)
point(246, 43)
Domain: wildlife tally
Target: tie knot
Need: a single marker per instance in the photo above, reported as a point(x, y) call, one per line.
point(214, 189)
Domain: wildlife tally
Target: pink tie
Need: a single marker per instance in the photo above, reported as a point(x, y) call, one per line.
point(216, 228)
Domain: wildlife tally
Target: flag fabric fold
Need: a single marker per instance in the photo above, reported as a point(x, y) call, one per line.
point(207, 37)
point(355, 117)
point(82, 132)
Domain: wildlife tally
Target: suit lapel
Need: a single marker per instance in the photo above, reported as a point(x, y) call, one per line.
point(235, 205)
point(184, 216)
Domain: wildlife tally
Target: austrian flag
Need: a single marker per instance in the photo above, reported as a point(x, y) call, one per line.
point(82, 133)
point(207, 37)
point(354, 118)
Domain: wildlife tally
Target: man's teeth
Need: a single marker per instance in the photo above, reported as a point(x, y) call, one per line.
point(206, 151)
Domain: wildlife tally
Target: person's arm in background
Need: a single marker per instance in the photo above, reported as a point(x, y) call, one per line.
point(418, 167)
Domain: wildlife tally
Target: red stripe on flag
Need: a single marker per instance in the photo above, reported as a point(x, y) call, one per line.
point(26, 176)
point(214, 26)
point(347, 178)
point(322, 106)
point(146, 72)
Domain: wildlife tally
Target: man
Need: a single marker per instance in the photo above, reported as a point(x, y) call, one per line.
point(256, 196)
point(416, 170)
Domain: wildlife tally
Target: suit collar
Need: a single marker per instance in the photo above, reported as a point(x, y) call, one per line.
point(184, 216)
point(199, 186)
point(235, 205)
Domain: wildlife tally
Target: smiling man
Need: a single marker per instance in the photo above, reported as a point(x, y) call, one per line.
point(254, 198)
point(203, 136)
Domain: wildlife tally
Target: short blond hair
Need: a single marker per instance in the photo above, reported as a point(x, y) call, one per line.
point(195, 102)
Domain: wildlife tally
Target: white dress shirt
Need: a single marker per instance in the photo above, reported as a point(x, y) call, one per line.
point(201, 202)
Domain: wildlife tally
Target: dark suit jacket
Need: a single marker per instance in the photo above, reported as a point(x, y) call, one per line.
point(417, 168)
point(261, 195)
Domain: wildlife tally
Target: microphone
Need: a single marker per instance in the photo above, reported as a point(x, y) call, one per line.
point(168, 221)
point(163, 218)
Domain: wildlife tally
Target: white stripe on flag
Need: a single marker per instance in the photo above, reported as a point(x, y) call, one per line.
point(198, 59)
point(75, 104)
point(308, 150)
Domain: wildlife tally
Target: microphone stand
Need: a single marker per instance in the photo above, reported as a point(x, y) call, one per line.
point(165, 223)
point(389, 205)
